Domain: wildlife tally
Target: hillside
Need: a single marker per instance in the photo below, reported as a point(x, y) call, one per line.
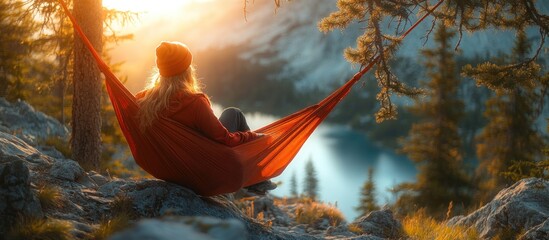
point(45, 194)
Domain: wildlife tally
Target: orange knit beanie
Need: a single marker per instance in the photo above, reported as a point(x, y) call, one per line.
point(173, 58)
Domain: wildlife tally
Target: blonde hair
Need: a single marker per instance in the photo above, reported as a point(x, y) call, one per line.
point(159, 91)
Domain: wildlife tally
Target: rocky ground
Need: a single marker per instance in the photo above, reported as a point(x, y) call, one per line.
point(161, 210)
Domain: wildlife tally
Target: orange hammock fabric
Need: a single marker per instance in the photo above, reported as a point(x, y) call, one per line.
point(175, 153)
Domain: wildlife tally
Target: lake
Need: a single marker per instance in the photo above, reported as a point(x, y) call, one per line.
point(341, 157)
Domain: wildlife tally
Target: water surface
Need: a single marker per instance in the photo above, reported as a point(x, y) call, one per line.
point(341, 157)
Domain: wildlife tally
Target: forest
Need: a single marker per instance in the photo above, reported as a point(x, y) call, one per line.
point(472, 124)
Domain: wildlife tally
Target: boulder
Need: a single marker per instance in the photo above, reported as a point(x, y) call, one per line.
point(99, 179)
point(339, 231)
point(518, 208)
point(380, 224)
point(21, 119)
point(16, 195)
point(66, 169)
point(156, 198)
point(198, 228)
point(538, 232)
point(12, 147)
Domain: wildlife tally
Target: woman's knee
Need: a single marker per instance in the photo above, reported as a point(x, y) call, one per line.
point(232, 112)
point(234, 120)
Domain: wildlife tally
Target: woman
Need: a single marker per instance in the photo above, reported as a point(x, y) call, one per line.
point(175, 93)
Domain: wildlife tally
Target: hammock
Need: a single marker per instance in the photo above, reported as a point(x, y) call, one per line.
point(175, 153)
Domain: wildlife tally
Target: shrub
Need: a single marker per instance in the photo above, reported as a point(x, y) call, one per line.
point(355, 229)
point(121, 214)
point(419, 226)
point(123, 205)
point(107, 227)
point(49, 197)
point(310, 212)
point(246, 206)
point(31, 228)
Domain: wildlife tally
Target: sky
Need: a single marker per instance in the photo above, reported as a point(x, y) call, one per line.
point(197, 23)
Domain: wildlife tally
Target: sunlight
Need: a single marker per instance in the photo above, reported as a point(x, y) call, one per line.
point(148, 5)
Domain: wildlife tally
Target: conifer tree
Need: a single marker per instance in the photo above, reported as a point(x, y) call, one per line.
point(293, 186)
point(542, 168)
point(56, 38)
point(509, 146)
point(372, 43)
point(311, 182)
point(368, 198)
point(86, 108)
point(471, 15)
point(434, 144)
point(15, 45)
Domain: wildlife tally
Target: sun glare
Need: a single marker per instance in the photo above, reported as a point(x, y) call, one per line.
point(147, 6)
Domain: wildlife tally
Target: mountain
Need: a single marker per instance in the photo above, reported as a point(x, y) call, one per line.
point(267, 35)
point(275, 60)
point(314, 59)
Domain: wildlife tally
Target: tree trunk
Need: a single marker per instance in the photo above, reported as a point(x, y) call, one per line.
point(86, 118)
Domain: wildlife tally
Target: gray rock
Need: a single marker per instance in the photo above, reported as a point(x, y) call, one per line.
point(153, 198)
point(380, 224)
point(538, 232)
point(153, 229)
point(301, 228)
point(521, 207)
point(99, 179)
point(88, 198)
point(16, 195)
point(39, 159)
point(66, 169)
point(362, 237)
point(112, 188)
point(86, 180)
point(21, 119)
point(51, 151)
point(157, 198)
point(12, 146)
point(215, 227)
point(184, 228)
point(266, 205)
point(340, 231)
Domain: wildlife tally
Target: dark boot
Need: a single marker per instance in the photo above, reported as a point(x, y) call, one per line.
point(261, 188)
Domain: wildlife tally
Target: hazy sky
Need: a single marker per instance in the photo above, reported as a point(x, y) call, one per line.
point(198, 23)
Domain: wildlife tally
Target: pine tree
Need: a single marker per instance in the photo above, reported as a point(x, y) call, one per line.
point(509, 147)
point(434, 144)
point(368, 197)
point(15, 45)
point(470, 15)
point(311, 182)
point(293, 186)
point(372, 43)
point(52, 93)
point(542, 168)
point(86, 109)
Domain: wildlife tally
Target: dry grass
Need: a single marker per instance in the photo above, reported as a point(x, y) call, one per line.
point(508, 233)
point(355, 229)
point(310, 212)
point(123, 205)
point(420, 226)
point(246, 205)
point(29, 228)
point(122, 213)
point(49, 197)
point(62, 145)
point(107, 227)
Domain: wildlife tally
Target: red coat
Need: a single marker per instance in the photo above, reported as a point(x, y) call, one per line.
point(195, 111)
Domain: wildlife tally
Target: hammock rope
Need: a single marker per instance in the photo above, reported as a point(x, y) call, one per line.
point(175, 153)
